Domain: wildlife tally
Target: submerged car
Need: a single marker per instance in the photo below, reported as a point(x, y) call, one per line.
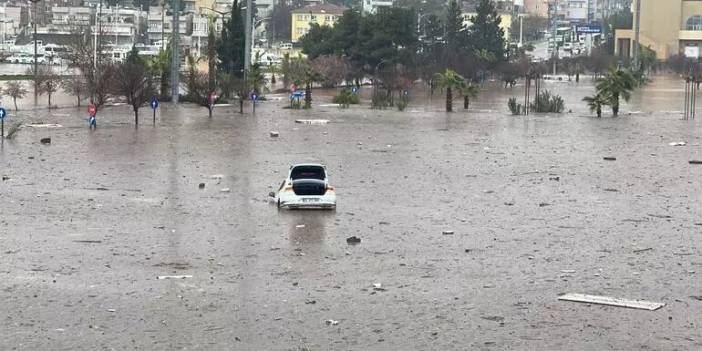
point(306, 186)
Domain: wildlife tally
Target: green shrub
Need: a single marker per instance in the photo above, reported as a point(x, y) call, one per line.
point(514, 107)
point(547, 103)
point(345, 98)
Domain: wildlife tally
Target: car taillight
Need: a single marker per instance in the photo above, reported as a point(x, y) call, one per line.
point(330, 188)
point(288, 188)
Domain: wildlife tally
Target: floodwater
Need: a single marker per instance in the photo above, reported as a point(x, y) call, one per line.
point(90, 221)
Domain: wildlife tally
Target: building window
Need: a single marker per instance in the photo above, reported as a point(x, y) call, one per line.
point(313, 18)
point(300, 17)
point(694, 23)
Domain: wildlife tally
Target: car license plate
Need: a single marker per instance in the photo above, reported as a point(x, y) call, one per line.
point(310, 200)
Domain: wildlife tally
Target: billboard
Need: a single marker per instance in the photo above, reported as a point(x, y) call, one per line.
point(589, 29)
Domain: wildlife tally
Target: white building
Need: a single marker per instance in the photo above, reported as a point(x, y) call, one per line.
point(577, 11)
point(160, 26)
point(372, 6)
point(70, 16)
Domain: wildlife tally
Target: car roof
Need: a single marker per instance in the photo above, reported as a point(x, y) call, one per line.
point(307, 165)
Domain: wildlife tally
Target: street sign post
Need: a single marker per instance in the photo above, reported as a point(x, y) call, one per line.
point(3, 114)
point(254, 97)
point(154, 106)
point(354, 90)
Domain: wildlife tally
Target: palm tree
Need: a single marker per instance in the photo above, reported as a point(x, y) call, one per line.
point(469, 90)
point(616, 84)
point(595, 103)
point(449, 80)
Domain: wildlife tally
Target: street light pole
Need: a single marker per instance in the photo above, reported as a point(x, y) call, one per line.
point(175, 69)
point(637, 32)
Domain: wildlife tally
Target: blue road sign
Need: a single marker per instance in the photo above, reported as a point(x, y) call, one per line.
point(589, 29)
point(254, 97)
point(3, 113)
point(354, 90)
point(298, 94)
point(154, 103)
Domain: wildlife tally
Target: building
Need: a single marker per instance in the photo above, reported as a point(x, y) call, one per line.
point(577, 11)
point(322, 14)
point(71, 16)
point(160, 26)
point(668, 27)
point(536, 7)
point(505, 22)
point(372, 6)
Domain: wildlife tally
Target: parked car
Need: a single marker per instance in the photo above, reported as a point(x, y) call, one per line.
point(568, 46)
point(306, 186)
point(13, 58)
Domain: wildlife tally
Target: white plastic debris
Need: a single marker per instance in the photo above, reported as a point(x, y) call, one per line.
point(225, 190)
point(312, 121)
point(162, 277)
point(678, 143)
point(331, 322)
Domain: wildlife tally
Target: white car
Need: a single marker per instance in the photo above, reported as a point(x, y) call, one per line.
point(306, 186)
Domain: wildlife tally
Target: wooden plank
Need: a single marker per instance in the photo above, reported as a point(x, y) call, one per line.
point(612, 301)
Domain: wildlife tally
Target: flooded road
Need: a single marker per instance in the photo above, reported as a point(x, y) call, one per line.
point(89, 223)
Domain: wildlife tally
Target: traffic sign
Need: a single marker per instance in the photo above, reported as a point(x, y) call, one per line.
point(298, 94)
point(92, 110)
point(254, 97)
point(3, 113)
point(154, 103)
point(354, 90)
point(589, 29)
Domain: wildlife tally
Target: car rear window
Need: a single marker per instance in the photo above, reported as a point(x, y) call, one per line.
point(308, 172)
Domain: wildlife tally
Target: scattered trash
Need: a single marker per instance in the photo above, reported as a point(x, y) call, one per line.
point(310, 302)
point(611, 301)
point(568, 271)
point(447, 232)
point(555, 178)
point(44, 125)
point(678, 143)
point(331, 322)
point(162, 277)
point(201, 186)
point(696, 162)
point(312, 121)
point(111, 310)
point(643, 250)
point(217, 176)
point(609, 158)
point(274, 134)
point(300, 226)
point(544, 204)
point(353, 240)
point(225, 190)
point(45, 141)
point(4, 178)
point(698, 298)
point(88, 241)
point(494, 318)
point(378, 287)
point(509, 203)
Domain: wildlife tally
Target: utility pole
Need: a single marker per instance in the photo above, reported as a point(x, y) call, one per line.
point(554, 31)
point(34, 22)
point(248, 41)
point(175, 69)
point(637, 32)
point(163, 20)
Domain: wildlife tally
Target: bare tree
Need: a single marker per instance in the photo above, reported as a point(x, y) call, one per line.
point(75, 85)
point(334, 68)
point(198, 86)
point(98, 74)
point(46, 81)
point(133, 81)
point(15, 90)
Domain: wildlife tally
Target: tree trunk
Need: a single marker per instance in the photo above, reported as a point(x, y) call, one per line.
point(49, 100)
point(209, 110)
point(14, 99)
point(449, 100)
point(577, 77)
point(599, 111)
point(136, 116)
point(615, 105)
point(164, 84)
point(241, 105)
point(466, 102)
point(78, 98)
point(308, 95)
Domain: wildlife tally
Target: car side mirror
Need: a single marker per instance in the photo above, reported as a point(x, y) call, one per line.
point(271, 194)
